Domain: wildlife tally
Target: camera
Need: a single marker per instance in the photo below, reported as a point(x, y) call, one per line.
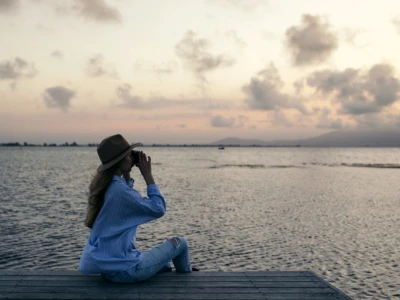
point(135, 157)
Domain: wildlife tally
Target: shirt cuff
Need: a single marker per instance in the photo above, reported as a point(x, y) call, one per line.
point(152, 188)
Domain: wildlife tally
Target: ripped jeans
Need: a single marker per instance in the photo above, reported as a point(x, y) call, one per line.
point(155, 260)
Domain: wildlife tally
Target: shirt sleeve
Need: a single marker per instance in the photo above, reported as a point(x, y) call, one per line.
point(149, 208)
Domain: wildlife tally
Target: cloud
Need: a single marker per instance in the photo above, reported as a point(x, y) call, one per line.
point(58, 97)
point(160, 69)
point(8, 5)
point(324, 121)
point(136, 102)
point(16, 69)
point(97, 10)
point(232, 35)
point(244, 5)
point(280, 119)
point(165, 68)
point(299, 85)
point(350, 36)
point(377, 121)
point(242, 120)
point(43, 28)
point(393, 120)
point(57, 54)
point(221, 121)
point(264, 92)
point(359, 91)
point(228, 122)
point(337, 124)
point(95, 67)
point(161, 127)
point(194, 52)
point(169, 116)
point(311, 42)
point(269, 35)
point(129, 100)
point(13, 86)
point(327, 81)
point(396, 23)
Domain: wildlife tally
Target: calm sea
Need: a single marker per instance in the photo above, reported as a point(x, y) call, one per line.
point(335, 211)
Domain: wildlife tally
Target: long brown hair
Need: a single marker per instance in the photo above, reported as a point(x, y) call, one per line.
point(97, 190)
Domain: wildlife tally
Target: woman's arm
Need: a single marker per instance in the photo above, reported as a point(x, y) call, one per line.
point(154, 203)
point(153, 206)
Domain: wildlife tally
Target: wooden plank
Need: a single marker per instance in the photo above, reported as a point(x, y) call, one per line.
point(52, 296)
point(158, 278)
point(166, 284)
point(134, 297)
point(281, 284)
point(234, 279)
point(194, 274)
point(132, 288)
point(161, 278)
point(50, 278)
point(315, 296)
point(201, 297)
point(153, 285)
point(42, 272)
point(56, 284)
point(284, 278)
point(288, 290)
point(341, 294)
point(241, 274)
point(9, 283)
point(276, 273)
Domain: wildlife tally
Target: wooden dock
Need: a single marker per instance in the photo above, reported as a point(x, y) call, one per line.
point(197, 285)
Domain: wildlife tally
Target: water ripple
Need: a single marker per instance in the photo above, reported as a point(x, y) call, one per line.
point(295, 214)
point(256, 166)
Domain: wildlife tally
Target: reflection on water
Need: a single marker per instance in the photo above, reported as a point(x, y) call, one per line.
point(333, 211)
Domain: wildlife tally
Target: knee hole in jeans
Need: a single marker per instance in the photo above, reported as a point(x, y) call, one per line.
point(175, 240)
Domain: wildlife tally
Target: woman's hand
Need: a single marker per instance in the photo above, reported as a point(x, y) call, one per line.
point(144, 166)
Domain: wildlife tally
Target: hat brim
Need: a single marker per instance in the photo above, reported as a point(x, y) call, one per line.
point(115, 160)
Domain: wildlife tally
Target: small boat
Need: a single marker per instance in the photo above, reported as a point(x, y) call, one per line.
point(221, 148)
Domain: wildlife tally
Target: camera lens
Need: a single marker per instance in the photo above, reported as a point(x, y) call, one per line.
point(135, 157)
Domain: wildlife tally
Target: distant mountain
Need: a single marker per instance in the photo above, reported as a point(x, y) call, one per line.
point(339, 138)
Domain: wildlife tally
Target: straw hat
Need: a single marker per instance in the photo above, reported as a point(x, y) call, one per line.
point(112, 149)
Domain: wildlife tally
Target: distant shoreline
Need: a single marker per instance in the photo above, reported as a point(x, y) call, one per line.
point(189, 146)
point(384, 138)
point(144, 145)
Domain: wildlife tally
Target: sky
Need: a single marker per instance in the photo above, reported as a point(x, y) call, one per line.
point(173, 71)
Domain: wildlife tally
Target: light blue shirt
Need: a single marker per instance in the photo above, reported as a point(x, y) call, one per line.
point(111, 246)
